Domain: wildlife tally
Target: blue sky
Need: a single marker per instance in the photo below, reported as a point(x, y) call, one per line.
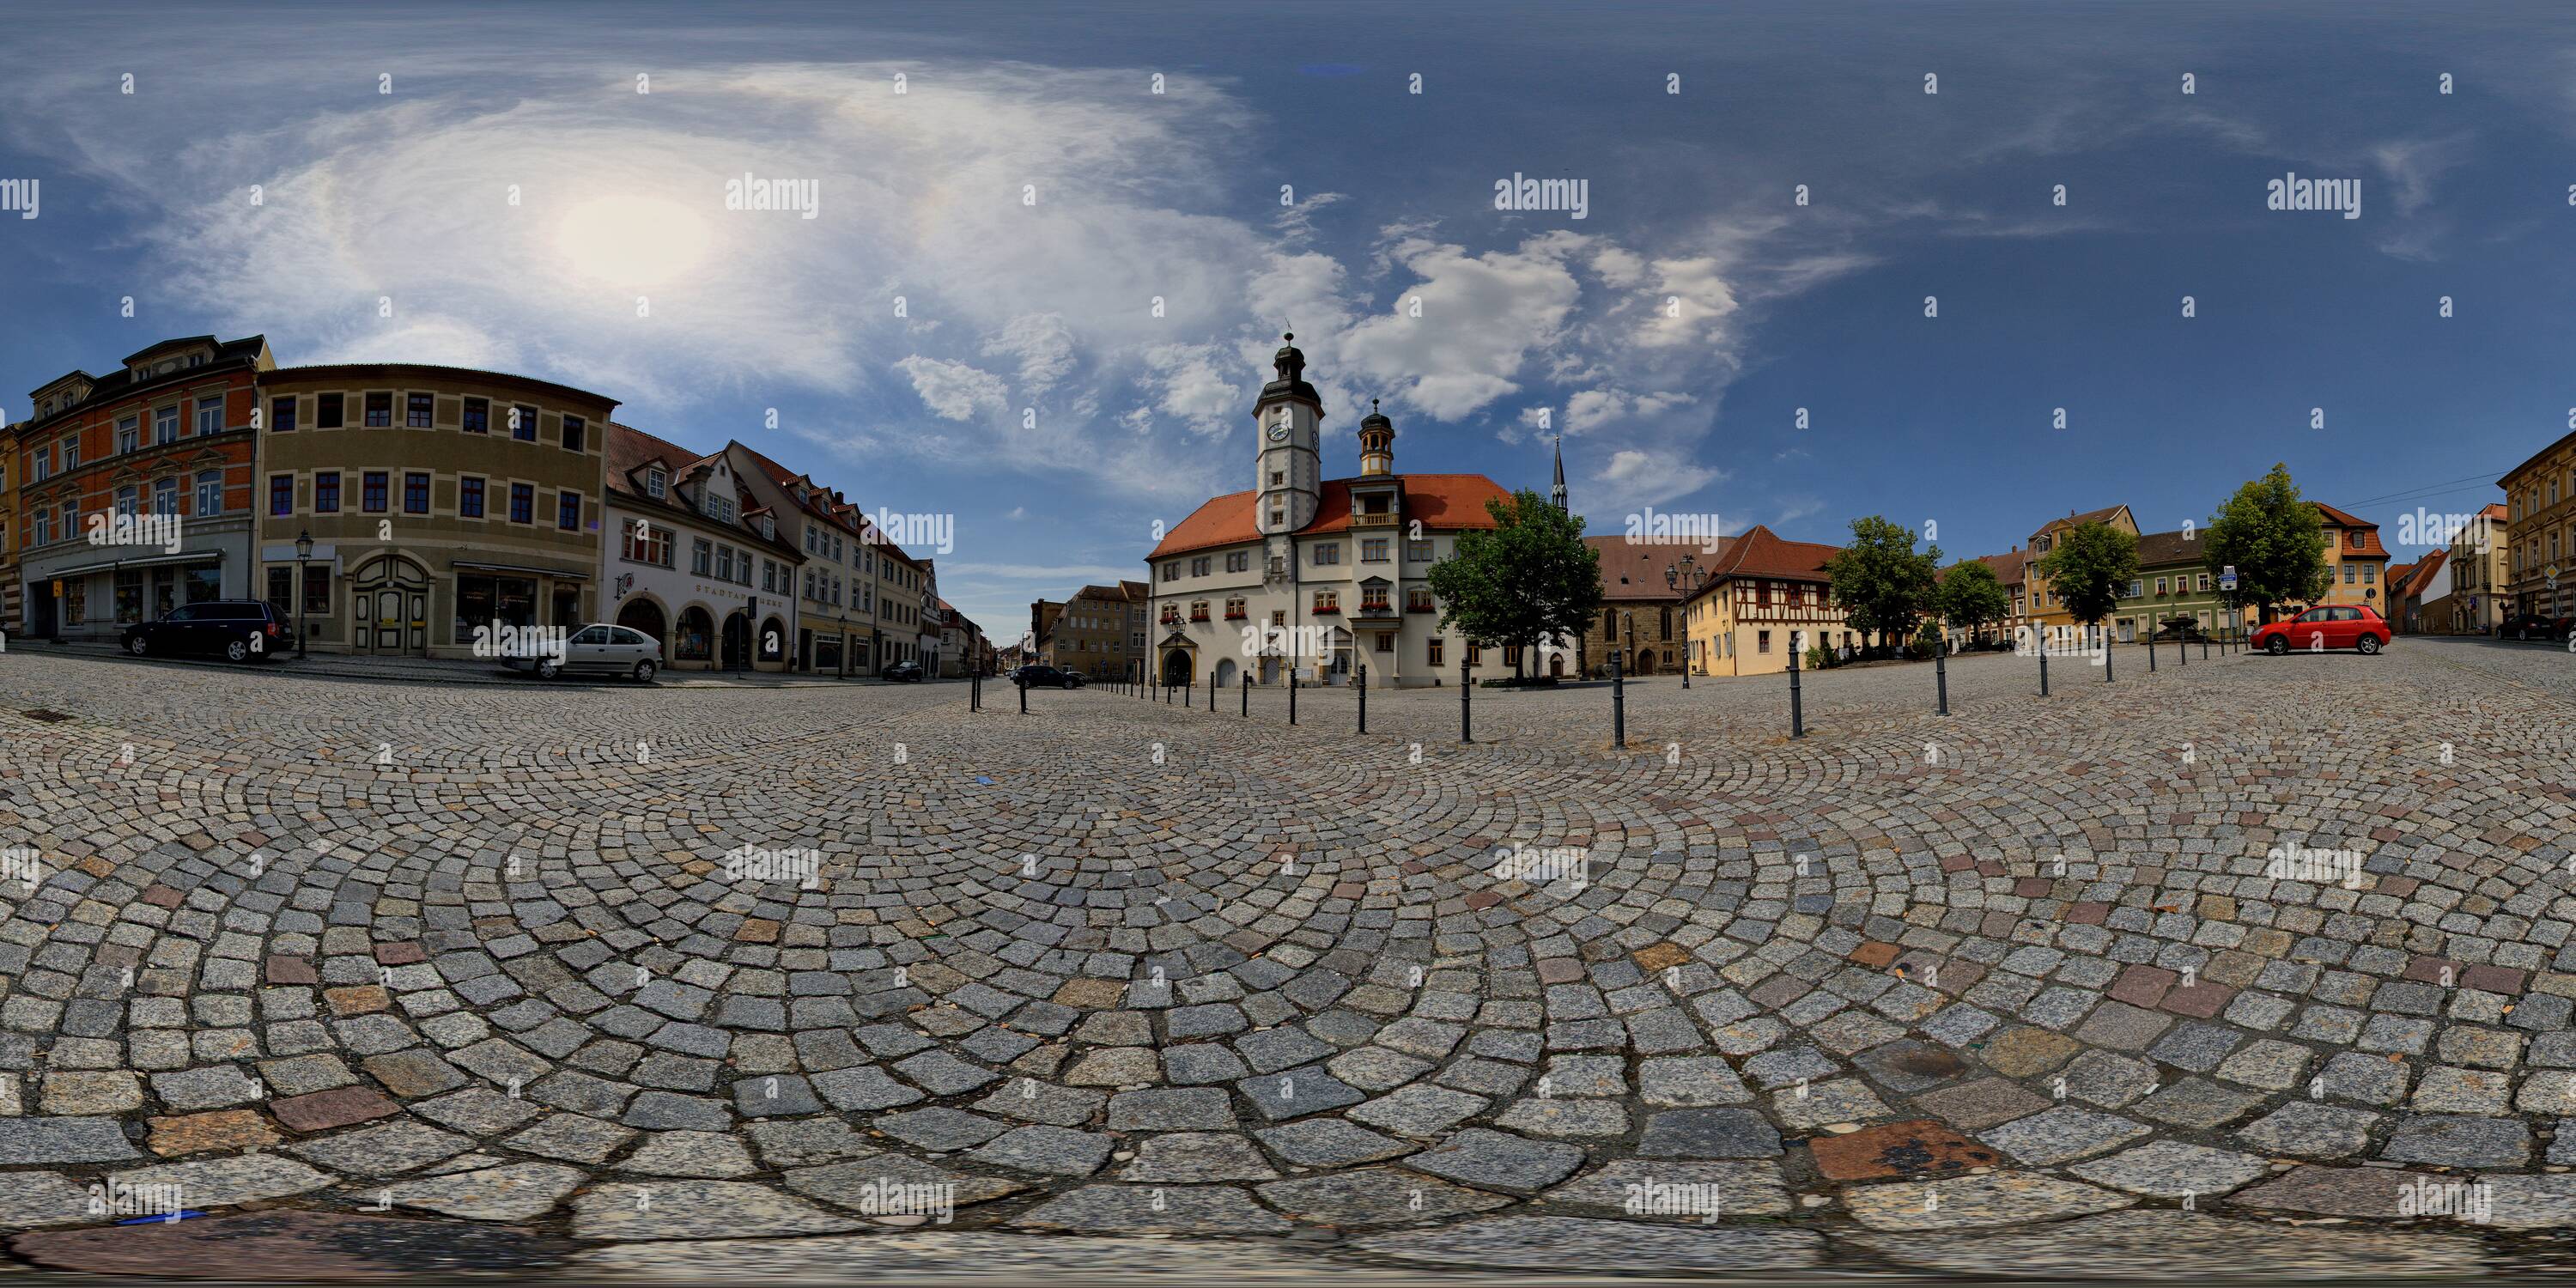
point(1029, 389)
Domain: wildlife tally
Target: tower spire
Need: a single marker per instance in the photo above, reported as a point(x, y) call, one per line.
point(1556, 494)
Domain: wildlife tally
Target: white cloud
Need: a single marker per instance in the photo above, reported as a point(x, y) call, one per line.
point(1481, 316)
point(953, 390)
point(1635, 478)
point(1042, 343)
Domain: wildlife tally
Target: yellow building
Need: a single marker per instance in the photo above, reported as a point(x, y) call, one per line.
point(2479, 575)
point(2356, 561)
point(2540, 499)
point(1762, 596)
point(2048, 609)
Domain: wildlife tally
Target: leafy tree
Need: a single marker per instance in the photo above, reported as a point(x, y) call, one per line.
point(2275, 541)
point(1971, 596)
point(1528, 579)
point(1883, 584)
point(2092, 564)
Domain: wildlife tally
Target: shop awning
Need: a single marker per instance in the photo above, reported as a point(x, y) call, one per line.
point(137, 561)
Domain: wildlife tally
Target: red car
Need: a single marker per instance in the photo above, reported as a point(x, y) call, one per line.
point(2355, 626)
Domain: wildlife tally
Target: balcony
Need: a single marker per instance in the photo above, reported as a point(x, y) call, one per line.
point(1377, 520)
point(1376, 612)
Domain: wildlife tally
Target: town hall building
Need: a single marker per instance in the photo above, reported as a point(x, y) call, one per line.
point(1320, 576)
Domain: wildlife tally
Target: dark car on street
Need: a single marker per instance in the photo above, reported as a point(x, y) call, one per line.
point(1047, 677)
point(2536, 626)
point(239, 630)
point(905, 672)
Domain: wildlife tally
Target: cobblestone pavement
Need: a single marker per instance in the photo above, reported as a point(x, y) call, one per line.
point(2003, 992)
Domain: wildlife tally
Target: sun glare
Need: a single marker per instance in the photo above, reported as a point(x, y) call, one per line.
point(632, 241)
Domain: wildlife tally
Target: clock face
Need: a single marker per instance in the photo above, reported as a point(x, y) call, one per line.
point(1279, 432)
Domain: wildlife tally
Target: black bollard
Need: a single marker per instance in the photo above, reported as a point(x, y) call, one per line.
point(975, 691)
point(1247, 693)
point(2042, 637)
point(1211, 690)
point(2151, 652)
point(1941, 673)
point(1466, 720)
point(2204, 648)
point(1797, 704)
point(1292, 695)
point(1618, 704)
point(1363, 697)
point(2105, 637)
point(1024, 695)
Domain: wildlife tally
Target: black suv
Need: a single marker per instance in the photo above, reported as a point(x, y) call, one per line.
point(2535, 626)
point(1047, 677)
point(902, 672)
point(242, 630)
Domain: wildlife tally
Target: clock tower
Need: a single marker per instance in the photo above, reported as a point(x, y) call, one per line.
point(1289, 485)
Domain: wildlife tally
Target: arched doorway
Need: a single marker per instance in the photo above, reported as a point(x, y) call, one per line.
point(1555, 665)
point(773, 643)
point(1176, 667)
point(389, 608)
point(1225, 673)
point(1645, 662)
point(641, 614)
point(1337, 657)
point(737, 641)
point(696, 637)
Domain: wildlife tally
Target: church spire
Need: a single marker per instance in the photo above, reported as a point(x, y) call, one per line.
point(1556, 494)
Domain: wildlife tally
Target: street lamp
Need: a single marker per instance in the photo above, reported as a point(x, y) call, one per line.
point(1686, 577)
point(303, 551)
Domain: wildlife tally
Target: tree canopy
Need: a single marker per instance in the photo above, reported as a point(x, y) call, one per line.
point(1530, 578)
point(2275, 541)
point(1971, 596)
point(2090, 567)
point(1883, 583)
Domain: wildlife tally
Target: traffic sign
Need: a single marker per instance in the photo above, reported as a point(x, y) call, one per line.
point(2227, 578)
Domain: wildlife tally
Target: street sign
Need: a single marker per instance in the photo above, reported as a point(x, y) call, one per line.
point(2227, 578)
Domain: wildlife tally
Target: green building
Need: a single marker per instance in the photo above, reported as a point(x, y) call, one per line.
point(2172, 582)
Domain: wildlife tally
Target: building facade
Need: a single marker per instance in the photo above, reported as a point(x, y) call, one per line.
point(1312, 576)
point(135, 488)
point(2481, 571)
point(691, 559)
point(444, 505)
point(2011, 572)
point(2540, 511)
point(2356, 561)
point(1764, 598)
point(1100, 632)
point(2172, 583)
point(1641, 621)
point(839, 594)
point(11, 594)
point(2048, 610)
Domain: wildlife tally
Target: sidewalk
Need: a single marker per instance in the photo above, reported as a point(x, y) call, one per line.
point(417, 670)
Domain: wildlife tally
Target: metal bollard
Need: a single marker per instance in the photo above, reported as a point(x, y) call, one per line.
point(1211, 690)
point(1292, 695)
point(1797, 707)
point(1466, 721)
point(2151, 652)
point(2042, 637)
point(2105, 637)
point(2204, 649)
point(1363, 697)
point(1024, 695)
point(1618, 704)
point(1247, 693)
point(1941, 673)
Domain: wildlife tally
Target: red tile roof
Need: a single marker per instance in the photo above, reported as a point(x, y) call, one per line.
point(2008, 566)
point(2368, 530)
point(1634, 570)
point(1765, 554)
point(1440, 502)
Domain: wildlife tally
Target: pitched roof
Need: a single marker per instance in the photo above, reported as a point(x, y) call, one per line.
point(2008, 566)
point(1440, 502)
point(2102, 515)
point(2369, 531)
point(629, 450)
point(1764, 553)
point(2424, 571)
point(2494, 510)
point(2165, 549)
point(1634, 570)
point(824, 503)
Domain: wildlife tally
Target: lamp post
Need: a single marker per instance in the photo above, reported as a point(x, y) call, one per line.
point(303, 552)
point(1686, 577)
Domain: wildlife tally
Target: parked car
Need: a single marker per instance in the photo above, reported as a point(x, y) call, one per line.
point(2537, 626)
point(2326, 626)
point(1047, 677)
point(242, 630)
point(598, 649)
point(905, 672)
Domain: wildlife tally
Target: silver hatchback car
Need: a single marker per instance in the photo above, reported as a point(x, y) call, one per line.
point(599, 649)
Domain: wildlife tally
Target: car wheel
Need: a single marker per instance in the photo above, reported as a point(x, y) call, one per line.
point(2277, 646)
point(548, 669)
point(2369, 644)
point(237, 650)
point(1070, 682)
point(139, 646)
point(644, 673)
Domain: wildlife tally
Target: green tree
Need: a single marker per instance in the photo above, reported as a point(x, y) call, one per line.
point(1971, 596)
point(2275, 541)
point(2090, 568)
point(1881, 581)
point(1528, 579)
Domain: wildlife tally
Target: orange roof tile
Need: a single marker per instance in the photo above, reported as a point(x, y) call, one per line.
point(1441, 502)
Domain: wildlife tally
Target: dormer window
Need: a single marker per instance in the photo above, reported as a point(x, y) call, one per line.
point(655, 483)
point(768, 527)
